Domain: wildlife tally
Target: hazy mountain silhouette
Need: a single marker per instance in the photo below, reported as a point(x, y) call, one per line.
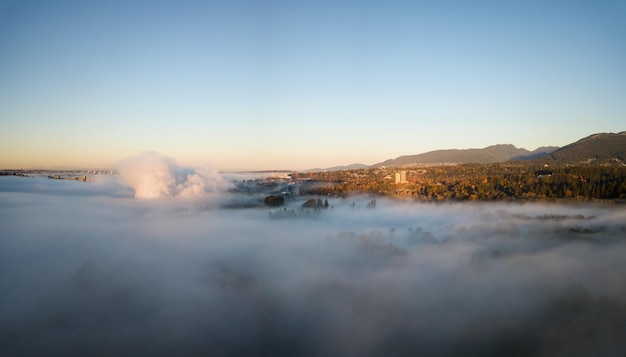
point(488, 155)
point(339, 168)
point(537, 153)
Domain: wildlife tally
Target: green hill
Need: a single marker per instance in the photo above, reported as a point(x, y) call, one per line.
point(603, 148)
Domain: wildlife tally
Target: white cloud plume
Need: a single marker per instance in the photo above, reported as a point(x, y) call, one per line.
point(151, 175)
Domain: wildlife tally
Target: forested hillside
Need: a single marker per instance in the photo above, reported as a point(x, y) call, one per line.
point(606, 148)
point(508, 181)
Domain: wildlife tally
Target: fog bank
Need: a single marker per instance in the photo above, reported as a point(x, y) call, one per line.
point(89, 270)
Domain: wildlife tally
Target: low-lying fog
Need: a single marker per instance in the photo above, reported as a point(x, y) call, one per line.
point(87, 269)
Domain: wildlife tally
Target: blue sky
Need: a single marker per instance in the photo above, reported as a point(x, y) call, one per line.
point(296, 85)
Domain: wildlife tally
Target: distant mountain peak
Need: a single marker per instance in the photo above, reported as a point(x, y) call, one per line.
point(487, 155)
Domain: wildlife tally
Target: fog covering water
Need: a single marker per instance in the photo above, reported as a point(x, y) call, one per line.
point(87, 269)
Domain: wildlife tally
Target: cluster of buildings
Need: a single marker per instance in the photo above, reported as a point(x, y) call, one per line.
point(71, 178)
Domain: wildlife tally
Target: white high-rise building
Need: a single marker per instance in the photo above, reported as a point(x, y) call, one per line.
point(400, 177)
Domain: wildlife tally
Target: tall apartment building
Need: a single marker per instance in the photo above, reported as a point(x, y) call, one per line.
point(400, 177)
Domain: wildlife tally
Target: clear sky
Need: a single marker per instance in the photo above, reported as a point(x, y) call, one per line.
point(302, 84)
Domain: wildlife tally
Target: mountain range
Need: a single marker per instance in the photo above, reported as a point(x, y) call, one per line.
point(602, 148)
point(488, 155)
